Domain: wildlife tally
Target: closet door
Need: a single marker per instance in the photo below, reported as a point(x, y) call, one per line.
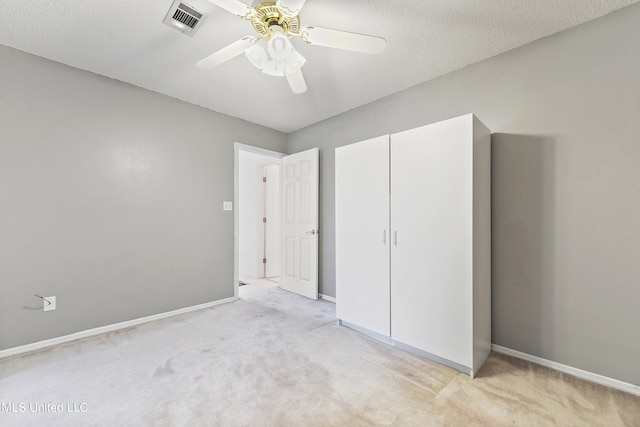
point(362, 234)
point(431, 253)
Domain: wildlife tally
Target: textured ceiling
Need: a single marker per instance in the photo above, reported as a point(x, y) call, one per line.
point(126, 40)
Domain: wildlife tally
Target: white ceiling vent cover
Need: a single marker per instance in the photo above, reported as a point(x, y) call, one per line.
point(184, 18)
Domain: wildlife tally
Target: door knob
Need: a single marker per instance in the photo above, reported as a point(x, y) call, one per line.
point(312, 232)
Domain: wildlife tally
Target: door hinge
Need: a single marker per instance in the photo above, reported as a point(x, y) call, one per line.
point(264, 179)
point(264, 260)
point(264, 219)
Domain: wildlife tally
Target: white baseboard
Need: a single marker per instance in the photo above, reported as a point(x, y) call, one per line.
point(328, 298)
point(586, 375)
point(108, 328)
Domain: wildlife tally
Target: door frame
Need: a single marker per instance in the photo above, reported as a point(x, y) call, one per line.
point(237, 147)
point(270, 208)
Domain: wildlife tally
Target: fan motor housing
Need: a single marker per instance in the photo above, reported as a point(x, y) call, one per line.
point(267, 14)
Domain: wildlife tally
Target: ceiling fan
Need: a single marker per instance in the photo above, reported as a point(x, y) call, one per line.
point(271, 51)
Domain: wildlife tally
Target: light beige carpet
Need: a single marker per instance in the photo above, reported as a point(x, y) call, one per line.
point(276, 359)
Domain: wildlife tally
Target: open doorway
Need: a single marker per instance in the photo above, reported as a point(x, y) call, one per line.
point(270, 230)
point(298, 211)
point(257, 199)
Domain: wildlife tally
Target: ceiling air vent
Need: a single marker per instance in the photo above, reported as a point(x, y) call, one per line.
point(184, 18)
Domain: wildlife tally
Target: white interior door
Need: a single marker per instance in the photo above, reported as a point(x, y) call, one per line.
point(271, 185)
point(299, 223)
point(362, 234)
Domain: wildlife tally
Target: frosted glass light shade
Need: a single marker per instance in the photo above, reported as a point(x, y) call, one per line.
point(279, 47)
point(273, 68)
point(257, 54)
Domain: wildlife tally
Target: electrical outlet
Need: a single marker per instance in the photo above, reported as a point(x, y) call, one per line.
point(50, 305)
point(227, 206)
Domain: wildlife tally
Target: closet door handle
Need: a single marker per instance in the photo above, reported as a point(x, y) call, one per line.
point(395, 238)
point(384, 237)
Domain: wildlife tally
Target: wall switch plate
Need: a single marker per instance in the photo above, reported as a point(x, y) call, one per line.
point(227, 206)
point(47, 306)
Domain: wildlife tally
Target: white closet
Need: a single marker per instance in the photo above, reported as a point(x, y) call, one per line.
point(413, 248)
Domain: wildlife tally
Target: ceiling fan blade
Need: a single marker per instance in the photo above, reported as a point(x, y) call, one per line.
point(228, 52)
point(236, 7)
point(290, 7)
point(342, 40)
point(296, 80)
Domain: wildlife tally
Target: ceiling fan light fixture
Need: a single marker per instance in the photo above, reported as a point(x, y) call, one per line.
point(275, 56)
point(279, 47)
point(257, 54)
point(273, 68)
point(276, 21)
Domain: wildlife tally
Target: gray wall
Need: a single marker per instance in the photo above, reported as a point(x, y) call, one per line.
point(111, 199)
point(566, 186)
